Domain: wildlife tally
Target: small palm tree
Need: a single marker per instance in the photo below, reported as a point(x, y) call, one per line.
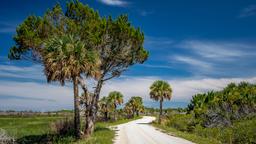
point(116, 98)
point(159, 91)
point(66, 58)
point(105, 107)
point(128, 109)
point(137, 104)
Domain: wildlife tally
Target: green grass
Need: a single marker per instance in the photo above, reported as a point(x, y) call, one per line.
point(36, 130)
point(189, 136)
point(24, 126)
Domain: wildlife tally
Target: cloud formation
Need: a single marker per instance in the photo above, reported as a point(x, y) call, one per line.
point(218, 49)
point(248, 11)
point(119, 3)
point(34, 96)
point(38, 95)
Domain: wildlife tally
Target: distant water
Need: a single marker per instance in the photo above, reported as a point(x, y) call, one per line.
point(166, 104)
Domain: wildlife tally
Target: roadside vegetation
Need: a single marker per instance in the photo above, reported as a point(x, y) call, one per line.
point(226, 116)
point(54, 129)
point(58, 127)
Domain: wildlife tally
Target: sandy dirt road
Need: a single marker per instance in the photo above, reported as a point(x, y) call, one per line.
point(140, 132)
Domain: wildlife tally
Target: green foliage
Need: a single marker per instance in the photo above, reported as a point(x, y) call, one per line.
point(117, 42)
point(179, 122)
point(109, 104)
point(80, 43)
point(228, 116)
point(160, 90)
point(134, 106)
point(66, 57)
point(115, 98)
point(223, 107)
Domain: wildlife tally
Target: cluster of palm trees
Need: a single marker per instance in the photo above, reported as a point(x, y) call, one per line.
point(110, 103)
point(108, 106)
point(134, 107)
point(159, 91)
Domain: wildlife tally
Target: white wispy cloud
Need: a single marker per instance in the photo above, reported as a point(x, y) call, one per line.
point(215, 58)
point(248, 11)
point(193, 62)
point(114, 2)
point(218, 49)
point(33, 72)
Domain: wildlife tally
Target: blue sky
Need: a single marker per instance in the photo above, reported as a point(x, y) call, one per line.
point(197, 46)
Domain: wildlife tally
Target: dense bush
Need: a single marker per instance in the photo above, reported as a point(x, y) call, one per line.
point(179, 121)
point(216, 109)
point(229, 116)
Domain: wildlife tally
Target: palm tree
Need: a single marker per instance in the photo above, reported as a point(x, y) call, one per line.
point(128, 109)
point(66, 58)
point(105, 107)
point(137, 105)
point(159, 91)
point(116, 98)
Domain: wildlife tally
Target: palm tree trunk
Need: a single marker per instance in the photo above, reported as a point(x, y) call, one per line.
point(76, 108)
point(89, 125)
point(115, 112)
point(106, 116)
point(161, 111)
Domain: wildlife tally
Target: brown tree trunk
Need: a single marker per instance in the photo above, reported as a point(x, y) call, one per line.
point(115, 112)
point(89, 126)
point(161, 111)
point(76, 108)
point(106, 116)
point(92, 110)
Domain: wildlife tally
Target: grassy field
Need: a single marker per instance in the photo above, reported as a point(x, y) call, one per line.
point(36, 130)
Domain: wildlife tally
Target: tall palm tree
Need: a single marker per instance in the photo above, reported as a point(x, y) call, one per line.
point(116, 98)
point(159, 91)
point(66, 58)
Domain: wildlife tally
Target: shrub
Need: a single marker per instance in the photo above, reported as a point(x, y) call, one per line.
point(180, 121)
point(244, 132)
point(63, 127)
